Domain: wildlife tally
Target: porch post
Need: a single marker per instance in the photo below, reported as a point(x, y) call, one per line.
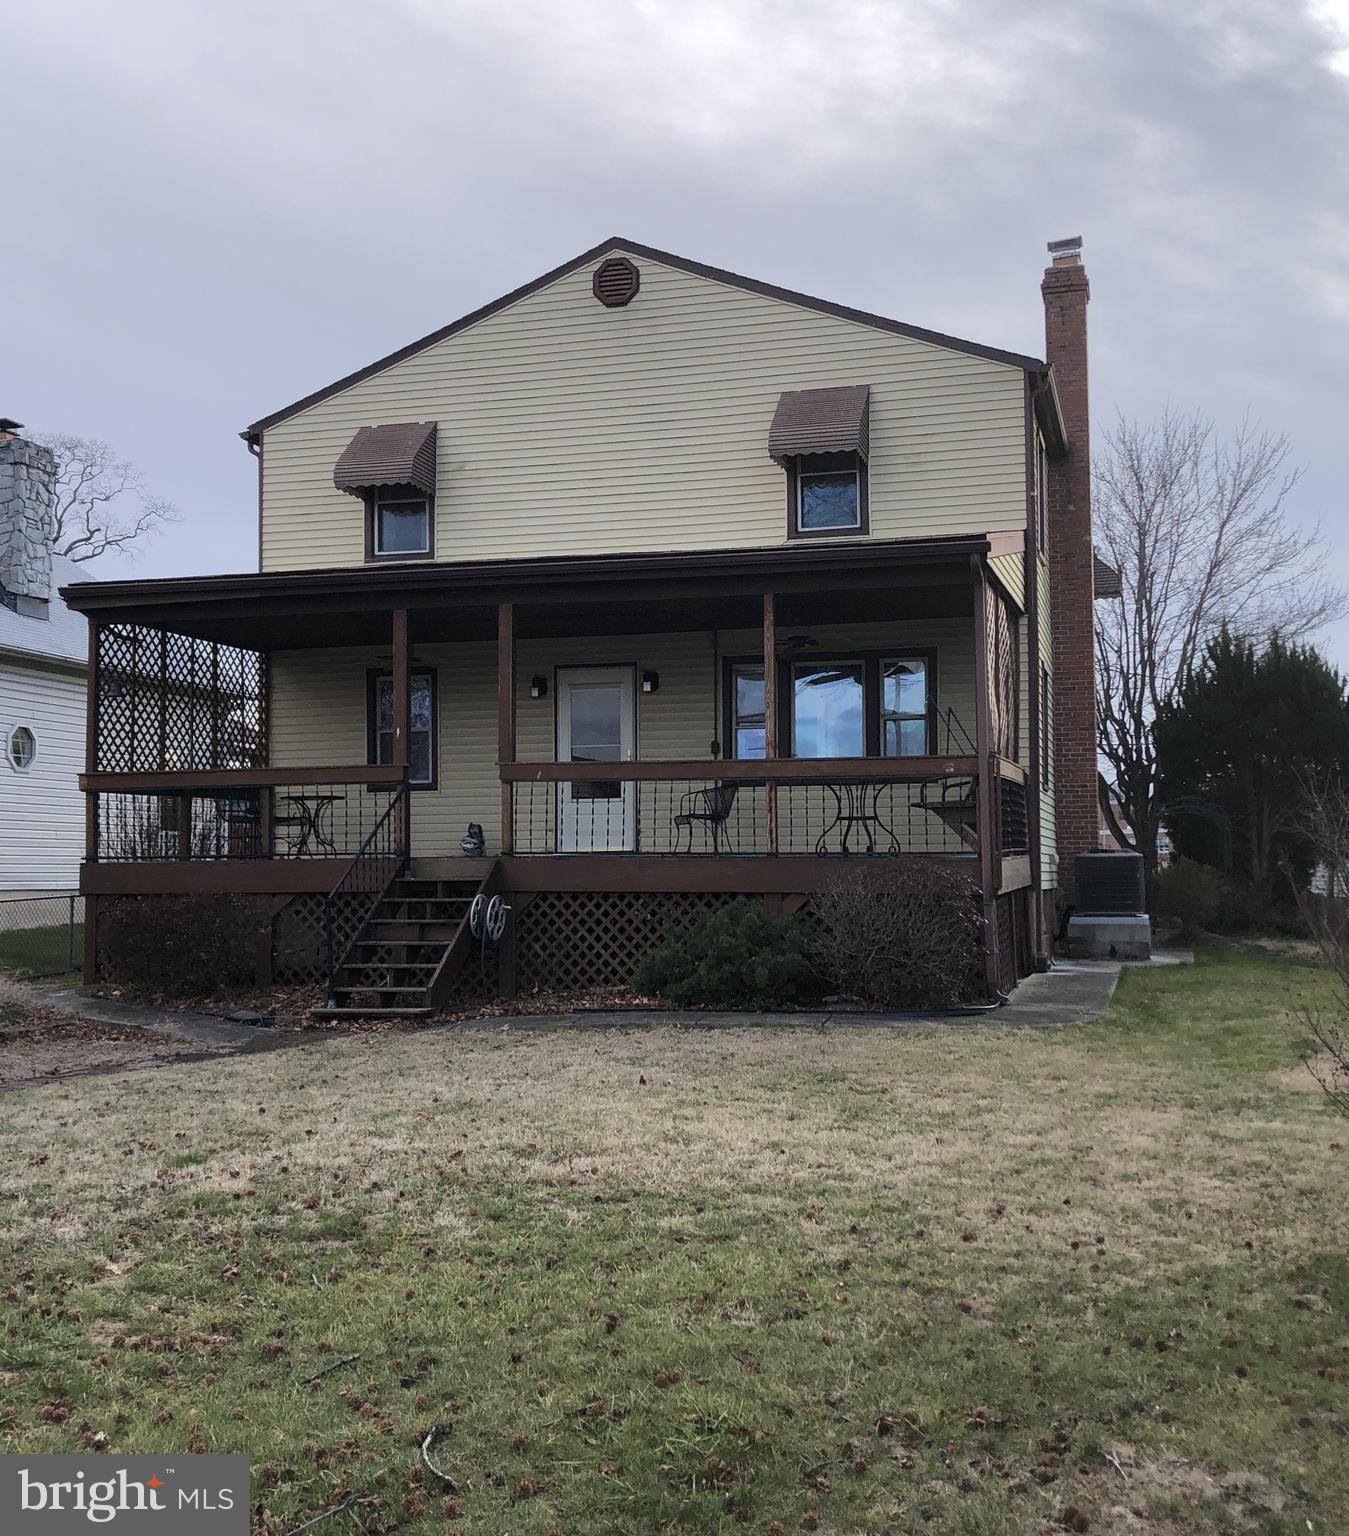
point(91, 733)
point(92, 727)
point(506, 715)
point(770, 713)
point(402, 718)
point(983, 740)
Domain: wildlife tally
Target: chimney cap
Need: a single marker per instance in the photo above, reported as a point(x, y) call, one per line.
point(1066, 252)
point(9, 426)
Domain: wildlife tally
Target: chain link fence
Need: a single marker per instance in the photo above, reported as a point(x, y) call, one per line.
point(41, 935)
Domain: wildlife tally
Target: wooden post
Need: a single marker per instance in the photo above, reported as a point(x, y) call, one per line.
point(402, 717)
point(92, 705)
point(770, 714)
point(983, 740)
point(506, 716)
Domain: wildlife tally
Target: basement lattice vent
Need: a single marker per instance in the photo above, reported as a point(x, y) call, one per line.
point(616, 282)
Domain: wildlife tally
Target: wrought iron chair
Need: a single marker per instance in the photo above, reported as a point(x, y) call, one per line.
point(709, 809)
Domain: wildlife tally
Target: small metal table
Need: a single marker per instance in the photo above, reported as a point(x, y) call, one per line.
point(857, 806)
point(309, 813)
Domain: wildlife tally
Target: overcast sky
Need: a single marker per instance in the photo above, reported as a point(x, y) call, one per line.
point(214, 208)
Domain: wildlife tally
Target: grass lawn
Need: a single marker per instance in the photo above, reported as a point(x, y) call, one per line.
point(963, 1281)
point(41, 951)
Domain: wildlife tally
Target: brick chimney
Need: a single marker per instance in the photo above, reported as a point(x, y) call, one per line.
point(1066, 292)
point(27, 497)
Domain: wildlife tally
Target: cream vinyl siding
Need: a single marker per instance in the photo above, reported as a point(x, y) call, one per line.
point(41, 807)
point(1011, 572)
point(567, 428)
point(318, 708)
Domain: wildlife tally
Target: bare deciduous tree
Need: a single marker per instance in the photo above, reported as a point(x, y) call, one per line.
point(101, 500)
point(1326, 912)
point(1195, 525)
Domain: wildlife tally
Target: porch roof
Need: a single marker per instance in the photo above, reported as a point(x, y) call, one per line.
point(558, 595)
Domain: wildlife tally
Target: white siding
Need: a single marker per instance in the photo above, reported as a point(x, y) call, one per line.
point(41, 807)
point(568, 428)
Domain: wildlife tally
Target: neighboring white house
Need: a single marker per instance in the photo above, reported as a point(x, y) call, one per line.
point(43, 660)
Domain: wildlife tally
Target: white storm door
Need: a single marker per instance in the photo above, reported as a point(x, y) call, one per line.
point(596, 723)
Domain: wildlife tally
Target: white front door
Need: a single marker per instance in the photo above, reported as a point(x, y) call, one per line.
point(596, 723)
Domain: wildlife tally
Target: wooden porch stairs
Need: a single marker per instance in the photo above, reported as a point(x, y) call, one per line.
point(415, 942)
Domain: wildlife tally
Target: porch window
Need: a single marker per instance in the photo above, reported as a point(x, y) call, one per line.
point(421, 742)
point(904, 707)
point(748, 707)
point(400, 522)
point(828, 710)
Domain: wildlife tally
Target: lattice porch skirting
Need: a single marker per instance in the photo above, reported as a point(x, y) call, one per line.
point(572, 941)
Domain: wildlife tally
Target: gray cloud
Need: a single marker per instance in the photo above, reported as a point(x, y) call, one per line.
point(194, 242)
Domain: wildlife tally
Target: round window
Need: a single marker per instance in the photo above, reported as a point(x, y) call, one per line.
point(22, 746)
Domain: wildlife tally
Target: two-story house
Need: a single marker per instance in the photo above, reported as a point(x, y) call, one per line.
point(642, 587)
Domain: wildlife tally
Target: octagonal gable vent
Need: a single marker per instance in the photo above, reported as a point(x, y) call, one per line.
point(616, 282)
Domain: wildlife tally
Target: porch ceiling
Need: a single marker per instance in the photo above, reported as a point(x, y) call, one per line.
point(616, 594)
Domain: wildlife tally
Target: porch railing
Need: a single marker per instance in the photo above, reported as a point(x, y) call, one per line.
point(223, 815)
point(820, 807)
point(381, 857)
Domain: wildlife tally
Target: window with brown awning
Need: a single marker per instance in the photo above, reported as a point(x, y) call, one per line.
point(403, 454)
point(813, 421)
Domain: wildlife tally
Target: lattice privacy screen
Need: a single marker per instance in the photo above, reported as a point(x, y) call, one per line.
point(1003, 676)
point(168, 703)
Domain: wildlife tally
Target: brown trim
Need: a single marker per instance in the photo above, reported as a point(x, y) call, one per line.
point(786, 770)
point(1034, 778)
point(393, 771)
point(177, 877)
point(788, 874)
point(770, 710)
point(616, 244)
point(988, 781)
point(233, 778)
point(543, 579)
point(506, 717)
point(372, 556)
point(793, 468)
point(92, 726)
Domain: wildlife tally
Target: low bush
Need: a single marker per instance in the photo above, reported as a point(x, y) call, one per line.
point(185, 945)
point(1188, 894)
point(902, 933)
point(736, 957)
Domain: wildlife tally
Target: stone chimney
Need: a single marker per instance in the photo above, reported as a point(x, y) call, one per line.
point(1066, 292)
point(27, 499)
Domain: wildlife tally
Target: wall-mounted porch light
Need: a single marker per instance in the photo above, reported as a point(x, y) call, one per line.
point(650, 682)
point(538, 687)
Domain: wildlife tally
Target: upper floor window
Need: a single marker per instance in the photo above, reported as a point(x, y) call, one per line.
point(400, 518)
point(827, 494)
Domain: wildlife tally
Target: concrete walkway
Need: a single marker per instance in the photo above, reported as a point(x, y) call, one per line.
point(204, 1029)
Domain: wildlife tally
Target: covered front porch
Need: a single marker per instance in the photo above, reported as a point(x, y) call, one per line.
point(626, 727)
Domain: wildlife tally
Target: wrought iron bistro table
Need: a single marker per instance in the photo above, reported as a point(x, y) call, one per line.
point(857, 806)
point(309, 814)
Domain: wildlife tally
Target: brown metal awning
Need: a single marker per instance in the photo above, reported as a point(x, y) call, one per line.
point(401, 454)
point(821, 421)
